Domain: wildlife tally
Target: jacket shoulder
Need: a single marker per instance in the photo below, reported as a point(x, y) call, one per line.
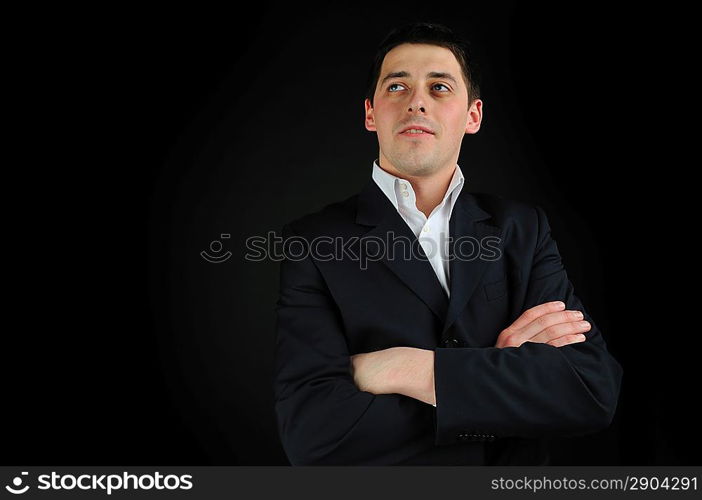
point(328, 220)
point(505, 210)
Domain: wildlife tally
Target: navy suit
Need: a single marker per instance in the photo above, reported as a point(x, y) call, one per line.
point(494, 406)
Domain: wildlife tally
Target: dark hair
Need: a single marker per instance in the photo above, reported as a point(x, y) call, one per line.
point(432, 34)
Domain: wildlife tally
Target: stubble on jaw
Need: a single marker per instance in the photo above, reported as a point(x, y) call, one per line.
point(413, 164)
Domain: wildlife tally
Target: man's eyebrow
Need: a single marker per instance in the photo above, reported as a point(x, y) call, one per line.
point(439, 74)
point(433, 74)
point(396, 74)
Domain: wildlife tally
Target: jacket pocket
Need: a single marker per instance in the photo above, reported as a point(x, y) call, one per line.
point(495, 290)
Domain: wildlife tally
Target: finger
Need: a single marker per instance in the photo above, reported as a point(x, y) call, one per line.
point(561, 329)
point(548, 320)
point(536, 312)
point(567, 339)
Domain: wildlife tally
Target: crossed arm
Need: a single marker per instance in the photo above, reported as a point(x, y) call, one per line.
point(540, 378)
point(410, 371)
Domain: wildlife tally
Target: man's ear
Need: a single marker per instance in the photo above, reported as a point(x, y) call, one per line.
point(475, 116)
point(370, 119)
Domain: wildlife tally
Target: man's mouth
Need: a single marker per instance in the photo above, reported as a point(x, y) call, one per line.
point(415, 130)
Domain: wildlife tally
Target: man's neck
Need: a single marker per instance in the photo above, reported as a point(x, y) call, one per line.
point(429, 190)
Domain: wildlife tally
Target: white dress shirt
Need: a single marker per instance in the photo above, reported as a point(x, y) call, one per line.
point(433, 231)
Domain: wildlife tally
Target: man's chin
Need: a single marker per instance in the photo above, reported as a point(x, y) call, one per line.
point(416, 166)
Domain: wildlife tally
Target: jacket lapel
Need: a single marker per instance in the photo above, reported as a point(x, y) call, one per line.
point(374, 209)
point(468, 232)
point(467, 229)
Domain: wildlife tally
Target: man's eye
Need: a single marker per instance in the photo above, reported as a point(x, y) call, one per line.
point(390, 88)
point(441, 85)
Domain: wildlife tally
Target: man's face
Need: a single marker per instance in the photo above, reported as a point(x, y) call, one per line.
point(421, 85)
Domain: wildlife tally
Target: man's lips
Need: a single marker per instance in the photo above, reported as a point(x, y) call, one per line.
point(416, 131)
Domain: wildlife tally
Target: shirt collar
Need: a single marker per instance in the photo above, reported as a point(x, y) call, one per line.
point(389, 184)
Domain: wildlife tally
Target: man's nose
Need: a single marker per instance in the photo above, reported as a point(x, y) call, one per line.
point(417, 103)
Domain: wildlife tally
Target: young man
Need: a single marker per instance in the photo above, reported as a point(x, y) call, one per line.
point(419, 323)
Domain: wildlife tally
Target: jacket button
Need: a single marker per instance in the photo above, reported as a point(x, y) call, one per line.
point(463, 437)
point(451, 342)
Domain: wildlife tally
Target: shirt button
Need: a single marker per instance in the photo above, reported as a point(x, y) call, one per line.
point(426, 229)
point(405, 194)
point(403, 186)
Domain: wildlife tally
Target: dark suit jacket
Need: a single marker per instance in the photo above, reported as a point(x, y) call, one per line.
point(494, 406)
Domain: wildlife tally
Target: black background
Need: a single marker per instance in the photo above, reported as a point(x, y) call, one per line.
point(155, 133)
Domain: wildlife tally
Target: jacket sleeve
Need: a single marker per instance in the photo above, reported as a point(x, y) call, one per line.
point(322, 417)
point(534, 390)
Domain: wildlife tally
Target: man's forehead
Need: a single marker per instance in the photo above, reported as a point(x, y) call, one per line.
point(424, 57)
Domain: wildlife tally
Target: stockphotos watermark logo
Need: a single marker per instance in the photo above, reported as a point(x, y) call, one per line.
point(215, 254)
point(105, 482)
point(17, 487)
point(360, 249)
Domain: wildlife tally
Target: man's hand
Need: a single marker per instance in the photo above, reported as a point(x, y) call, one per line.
point(397, 370)
point(546, 323)
point(371, 370)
